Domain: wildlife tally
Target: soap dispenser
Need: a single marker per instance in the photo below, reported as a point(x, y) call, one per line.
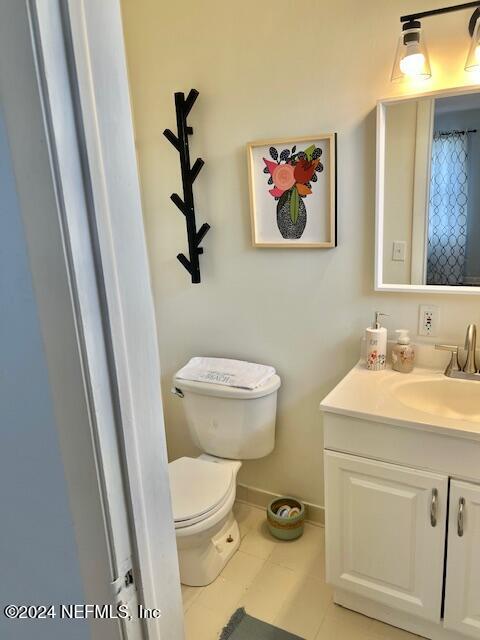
point(376, 339)
point(403, 353)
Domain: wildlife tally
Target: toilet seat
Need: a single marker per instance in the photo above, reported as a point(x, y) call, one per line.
point(199, 488)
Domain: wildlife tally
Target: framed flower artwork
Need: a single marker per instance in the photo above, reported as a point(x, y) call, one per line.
point(293, 192)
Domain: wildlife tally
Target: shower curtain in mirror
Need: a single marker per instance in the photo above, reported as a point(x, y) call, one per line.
point(447, 220)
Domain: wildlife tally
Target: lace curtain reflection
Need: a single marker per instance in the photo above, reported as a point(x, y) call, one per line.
point(447, 220)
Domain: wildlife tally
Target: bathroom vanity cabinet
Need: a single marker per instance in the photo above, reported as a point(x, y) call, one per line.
point(403, 521)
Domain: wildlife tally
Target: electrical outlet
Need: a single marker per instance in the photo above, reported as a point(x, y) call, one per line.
point(428, 320)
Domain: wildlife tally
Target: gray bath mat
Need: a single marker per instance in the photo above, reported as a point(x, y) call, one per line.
point(241, 626)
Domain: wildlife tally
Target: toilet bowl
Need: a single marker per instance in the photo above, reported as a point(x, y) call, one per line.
point(203, 493)
point(229, 425)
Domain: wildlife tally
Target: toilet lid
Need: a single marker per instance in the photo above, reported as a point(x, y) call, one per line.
point(197, 486)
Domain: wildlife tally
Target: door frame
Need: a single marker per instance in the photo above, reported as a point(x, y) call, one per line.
point(117, 296)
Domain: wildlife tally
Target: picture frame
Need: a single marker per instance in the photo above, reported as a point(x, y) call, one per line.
point(293, 192)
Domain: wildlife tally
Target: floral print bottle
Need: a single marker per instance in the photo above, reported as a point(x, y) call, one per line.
point(403, 353)
point(376, 339)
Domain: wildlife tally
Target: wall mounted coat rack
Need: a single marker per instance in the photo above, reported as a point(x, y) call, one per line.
point(183, 107)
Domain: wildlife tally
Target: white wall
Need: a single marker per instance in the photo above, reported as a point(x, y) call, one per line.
point(272, 70)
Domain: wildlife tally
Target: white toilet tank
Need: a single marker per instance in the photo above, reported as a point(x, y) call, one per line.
point(229, 422)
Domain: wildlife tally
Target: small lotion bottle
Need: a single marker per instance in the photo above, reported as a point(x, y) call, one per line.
point(376, 343)
point(403, 353)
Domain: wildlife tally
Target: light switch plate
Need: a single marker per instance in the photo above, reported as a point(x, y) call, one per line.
point(428, 320)
point(399, 249)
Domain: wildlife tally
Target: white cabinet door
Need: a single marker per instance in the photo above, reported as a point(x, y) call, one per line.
point(385, 532)
point(462, 593)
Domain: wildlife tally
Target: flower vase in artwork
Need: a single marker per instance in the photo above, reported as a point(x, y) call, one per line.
point(291, 226)
point(291, 175)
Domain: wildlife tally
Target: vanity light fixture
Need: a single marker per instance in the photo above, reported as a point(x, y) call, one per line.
point(412, 56)
point(411, 59)
point(473, 58)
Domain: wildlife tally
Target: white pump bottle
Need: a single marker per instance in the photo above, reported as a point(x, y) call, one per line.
point(376, 339)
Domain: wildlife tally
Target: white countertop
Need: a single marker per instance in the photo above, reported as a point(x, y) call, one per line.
point(370, 395)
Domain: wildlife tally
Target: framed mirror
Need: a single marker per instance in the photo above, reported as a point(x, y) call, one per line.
point(428, 193)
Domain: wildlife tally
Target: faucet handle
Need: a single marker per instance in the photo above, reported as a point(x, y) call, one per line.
point(447, 347)
point(453, 364)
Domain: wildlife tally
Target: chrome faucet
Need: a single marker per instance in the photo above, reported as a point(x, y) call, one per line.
point(469, 371)
point(470, 365)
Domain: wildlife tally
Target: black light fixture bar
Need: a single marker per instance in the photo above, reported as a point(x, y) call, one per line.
point(434, 12)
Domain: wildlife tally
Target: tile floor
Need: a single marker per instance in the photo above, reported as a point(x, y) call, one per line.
point(280, 582)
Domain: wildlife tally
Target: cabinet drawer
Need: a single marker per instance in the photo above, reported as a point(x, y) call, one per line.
point(385, 532)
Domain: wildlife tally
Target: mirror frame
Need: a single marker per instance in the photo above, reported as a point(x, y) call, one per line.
point(379, 197)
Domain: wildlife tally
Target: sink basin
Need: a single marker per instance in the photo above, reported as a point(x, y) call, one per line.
point(447, 398)
point(425, 398)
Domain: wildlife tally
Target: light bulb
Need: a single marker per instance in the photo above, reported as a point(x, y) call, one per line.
point(412, 64)
point(411, 58)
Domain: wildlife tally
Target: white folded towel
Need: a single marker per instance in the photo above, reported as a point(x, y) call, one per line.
point(233, 373)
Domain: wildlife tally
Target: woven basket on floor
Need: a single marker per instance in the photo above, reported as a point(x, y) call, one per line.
point(285, 528)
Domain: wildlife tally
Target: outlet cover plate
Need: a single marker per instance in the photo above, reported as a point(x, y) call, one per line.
point(428, 320)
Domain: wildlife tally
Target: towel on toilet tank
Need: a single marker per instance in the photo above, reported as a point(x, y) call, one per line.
point(233, 373)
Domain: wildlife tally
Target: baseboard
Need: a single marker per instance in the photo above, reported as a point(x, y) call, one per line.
point(314, 513)
point(399, 619)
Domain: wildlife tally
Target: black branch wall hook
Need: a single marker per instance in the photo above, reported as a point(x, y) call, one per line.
point(183, 107)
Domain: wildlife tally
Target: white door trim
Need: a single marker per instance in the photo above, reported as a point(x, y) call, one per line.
point(99, 90)
point(91, 329)
point(22, 107)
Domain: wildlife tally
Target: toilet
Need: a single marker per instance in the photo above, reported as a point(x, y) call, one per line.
point(229, 425)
